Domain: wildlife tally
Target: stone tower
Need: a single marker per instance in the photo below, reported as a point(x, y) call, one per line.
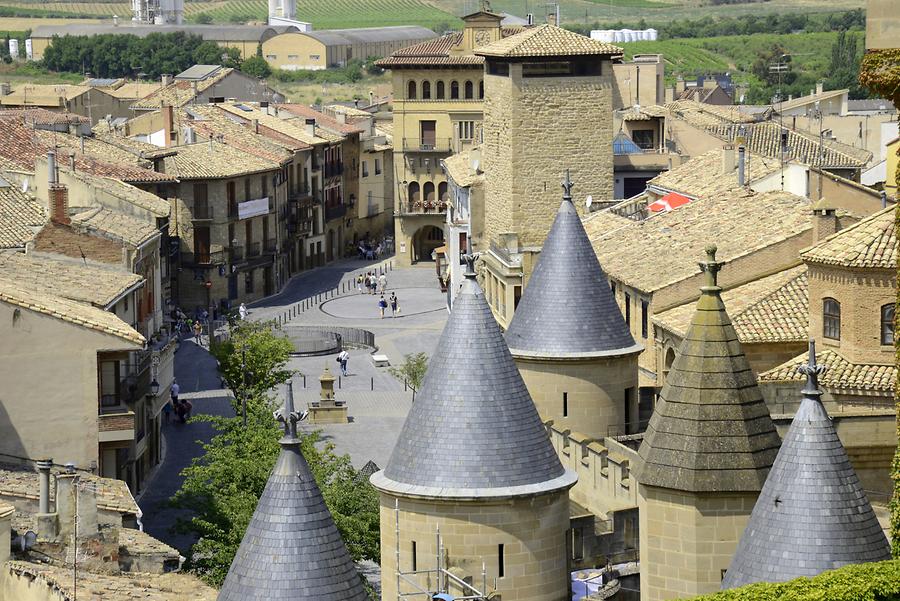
point(292, 550)
point(474, 467)
point(812, 514)
point(569, 339)
point(704, 458)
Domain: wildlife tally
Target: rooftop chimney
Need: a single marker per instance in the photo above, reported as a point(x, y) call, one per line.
point(43, 467)
point(166, 79)
point(819, 87)
point(72, 162)
point(551, 18)
point(727, 160)
point(59, 204)
point(311, 127)
point(341, 117)
point(256, 126)
point(51, 168)
point(529, 18)
point(825, 221)
point(742, 166)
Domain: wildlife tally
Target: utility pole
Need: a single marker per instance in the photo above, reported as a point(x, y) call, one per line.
point(780, 67)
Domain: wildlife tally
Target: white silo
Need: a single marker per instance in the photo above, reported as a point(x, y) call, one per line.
point(653, 34)
point(29, 49)
point(14, 48)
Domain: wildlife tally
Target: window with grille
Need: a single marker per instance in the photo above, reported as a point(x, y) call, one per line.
point(831, 319)
point(465, 130)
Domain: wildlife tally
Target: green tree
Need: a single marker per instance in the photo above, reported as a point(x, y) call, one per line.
point(256, 66)
point(253, 360)
point(412, 370)
point(210, 53)
point(203, 18)
point(773, 66)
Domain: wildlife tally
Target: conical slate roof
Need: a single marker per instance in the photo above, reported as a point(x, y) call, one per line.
point(711, 430)
point(292, 549)
point(567, 308)
point(812, 515)
point(473, 430)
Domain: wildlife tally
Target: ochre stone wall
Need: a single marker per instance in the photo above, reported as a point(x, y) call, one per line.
point(535, 128)
point(594, 392)
point(687, 540)
point(531, 529)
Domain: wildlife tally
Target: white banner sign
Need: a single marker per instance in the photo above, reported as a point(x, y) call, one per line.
point(252, 208)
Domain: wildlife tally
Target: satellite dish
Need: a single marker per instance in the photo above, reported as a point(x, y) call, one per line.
point(25, 186)
point(475, 165)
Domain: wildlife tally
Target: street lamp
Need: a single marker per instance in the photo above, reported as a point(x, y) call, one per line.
point(154, 387)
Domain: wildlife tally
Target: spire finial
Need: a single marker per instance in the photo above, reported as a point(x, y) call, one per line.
point(711, 267)
point(470, 266)
point(567, 187)
point(812, 371)
point(287, 416)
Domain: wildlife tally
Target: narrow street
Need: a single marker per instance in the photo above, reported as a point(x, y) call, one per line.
point(378, 403)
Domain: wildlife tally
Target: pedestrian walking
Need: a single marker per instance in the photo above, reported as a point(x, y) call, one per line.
point(359, 283)
point(343, 357)
point(382, 304)
point(174, 390)
point(188, 406)
point(167, 411)
point(394, 304)
point(180, 411)
point(382, 282)
point(198, 333)
point(242, 311)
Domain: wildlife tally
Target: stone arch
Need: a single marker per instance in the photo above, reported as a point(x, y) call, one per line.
point(411, 90)
point(426, 90)
point(428, 191)
point(439, 90)
point(469, 90)
point(454, 90)
point(424, 241)
point(668, 361)
point(414, 195)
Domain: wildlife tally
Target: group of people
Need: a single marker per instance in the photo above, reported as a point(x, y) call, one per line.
point(371, 283)
point(392, 302)
point(181, 408)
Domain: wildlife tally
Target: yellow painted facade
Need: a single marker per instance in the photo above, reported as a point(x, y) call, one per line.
point(295, 50)
point(893, 161)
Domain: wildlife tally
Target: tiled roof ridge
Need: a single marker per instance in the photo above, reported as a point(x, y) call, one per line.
point(559, 41)
point(812, 514)
point(817, 252)
point(841, 374)
point(711, 431)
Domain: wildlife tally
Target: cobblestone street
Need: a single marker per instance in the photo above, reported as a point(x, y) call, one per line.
point(378, 403)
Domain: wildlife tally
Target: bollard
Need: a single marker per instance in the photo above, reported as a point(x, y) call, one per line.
point(339, 383)
point(373, 383)
point(304, 381)
point(404, 386)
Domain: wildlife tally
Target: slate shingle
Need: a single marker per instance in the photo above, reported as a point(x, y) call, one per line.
point(812, 514)
point(568, 306)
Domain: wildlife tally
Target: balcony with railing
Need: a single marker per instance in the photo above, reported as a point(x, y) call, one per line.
point(335, 212)
point(252, 249)
point(270, 246)
point(420, 145)
point(202, 213)
point(423, 207)
point(203, 258)
point(334, 169)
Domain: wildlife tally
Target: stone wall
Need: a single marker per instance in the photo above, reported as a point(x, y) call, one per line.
point(687, 540)
point(535, 128)
point(584, 395)
point(532, 530)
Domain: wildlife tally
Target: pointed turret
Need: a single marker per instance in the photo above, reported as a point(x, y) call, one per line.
point(568, 308)
point(474, 471)
point(473, 425)
point(704, 457)
point(292, 549)
point(812, 514)
point(711, 430)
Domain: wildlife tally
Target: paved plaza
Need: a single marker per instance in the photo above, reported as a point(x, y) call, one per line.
point(377, 402)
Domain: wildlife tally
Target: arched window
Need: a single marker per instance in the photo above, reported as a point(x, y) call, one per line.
point(428, 191)
point(426, 90)
point(413, 192)
point(439, 90)
point(470, 90)
point(481, 90)
point(411, 90)
point(454, 90)
point(443, 194)
point(887, 324)
point(831, 319)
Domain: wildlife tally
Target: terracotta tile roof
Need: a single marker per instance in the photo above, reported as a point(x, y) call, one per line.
point(209, 160)
point(280, 129)
point(21, 482)
point(80, 314)
point(770, 309)
point(20, 217)
point(670, 242)
point(135, 90)
point(42, 94)
point(704, 115)
point(117, 226)
point(809, 100)
point(66, 241)
point(178, 93)
point(321, 118)
point(41, 116)
point(173, 586)
point(870, 243)
point(126, 192)
point(840, 374)
point(350, 111)
point(702, 176)
point(459, 168)
point(65, 278)
point(547, 40)
point(211, 121)
point(437, 52)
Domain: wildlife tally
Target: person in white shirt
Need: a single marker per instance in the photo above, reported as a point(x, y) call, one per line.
point(242, 311)
point(343, 357)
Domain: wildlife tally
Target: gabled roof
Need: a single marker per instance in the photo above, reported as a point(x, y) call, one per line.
point(212, 159)
point(20, 217)
point(710, 431)
point(547, 40)
point(116, 226)
point(473, 431)
point(67, 279)
point(292, 550)
point(180, 92)
point(870, 243)
point(809, 100)
point(437, 52)
point(702, 176)
point(322, 119)
point(771, 309)
point(567, 308)
point(812, 514)
point(840, 374)
point(80, 314)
